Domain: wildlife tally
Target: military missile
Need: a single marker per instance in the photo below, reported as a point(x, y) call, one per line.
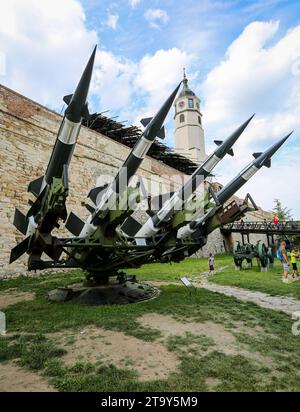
point(221, 197)
point(105, 199)
point(60, 158)
point(176, 201)
point(64, 146)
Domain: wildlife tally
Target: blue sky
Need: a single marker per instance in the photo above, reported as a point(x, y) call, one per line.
point(241, 57)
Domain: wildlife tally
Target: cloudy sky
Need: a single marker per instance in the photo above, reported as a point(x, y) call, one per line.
point(242, 57)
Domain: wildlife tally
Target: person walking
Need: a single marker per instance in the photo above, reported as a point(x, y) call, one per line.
point(211, 261)
point(294, 256)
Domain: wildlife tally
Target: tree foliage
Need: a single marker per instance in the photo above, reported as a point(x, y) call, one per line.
point(283, 213)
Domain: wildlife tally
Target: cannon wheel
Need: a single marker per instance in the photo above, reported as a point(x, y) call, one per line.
point(236, 250)
point(270, 256)
point(262, 254)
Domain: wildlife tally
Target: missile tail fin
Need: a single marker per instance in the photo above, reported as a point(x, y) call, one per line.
point(268, 163)
point(146, 121)
point(93, 194)
point(20, 222)
point(85, 112)
point(256, 155)
point(161, 134)
point(218, 142)
point(131, 226)
point(67, 99)
point(36, 206)
point(230, 152)
point(34, 187)
point(19, 250)
point(74, 224)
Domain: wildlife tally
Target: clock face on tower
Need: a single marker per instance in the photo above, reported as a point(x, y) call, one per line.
point(181, 105)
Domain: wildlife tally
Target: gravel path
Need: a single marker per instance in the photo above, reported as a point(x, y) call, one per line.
point(285, 304)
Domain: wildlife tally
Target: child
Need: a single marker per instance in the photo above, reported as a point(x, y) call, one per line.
point(211, 264)
point(283, 257)
point(294, 256)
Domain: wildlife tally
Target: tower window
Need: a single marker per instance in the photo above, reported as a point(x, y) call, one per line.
point(181, 118)
point(199, 119)
point(197, 105)
point(191, 103)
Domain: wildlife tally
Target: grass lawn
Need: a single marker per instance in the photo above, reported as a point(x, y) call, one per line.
point(217, 342)
point(269, 282)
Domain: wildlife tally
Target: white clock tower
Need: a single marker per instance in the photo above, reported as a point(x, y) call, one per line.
point(189, 134)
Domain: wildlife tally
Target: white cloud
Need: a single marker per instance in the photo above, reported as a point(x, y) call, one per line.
point(257, 75)
point(159, 73)
point(134, 3)
point(45, 50)
point(44, 55)
point(112, 21)
point(156, 17)
point(138, 89)
point(112, 81)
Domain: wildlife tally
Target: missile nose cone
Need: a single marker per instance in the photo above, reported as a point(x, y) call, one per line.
point(229, 142)
point(77, 107)
point(267, 155)
point(240, 129)
point(156, 123)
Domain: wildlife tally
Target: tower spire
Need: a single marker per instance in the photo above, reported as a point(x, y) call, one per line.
point(185, 80)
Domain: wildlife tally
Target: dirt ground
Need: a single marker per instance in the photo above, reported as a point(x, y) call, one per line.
point(16, 379)
point(224, 341)
point(150, 360)
point(13, 296)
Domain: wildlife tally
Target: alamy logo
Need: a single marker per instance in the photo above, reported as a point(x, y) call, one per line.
point(2, 323)
point(296, 325)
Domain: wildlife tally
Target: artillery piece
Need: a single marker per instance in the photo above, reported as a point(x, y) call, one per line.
point(248, 252)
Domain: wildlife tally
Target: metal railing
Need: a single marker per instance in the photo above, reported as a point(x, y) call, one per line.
point(289, 227)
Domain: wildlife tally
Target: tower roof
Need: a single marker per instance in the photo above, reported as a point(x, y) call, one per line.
point(186, 91)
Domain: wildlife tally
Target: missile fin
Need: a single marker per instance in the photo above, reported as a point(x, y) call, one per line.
point(67, 99)
point(19, 250)
point(20, 221)
point(146, 121)
point(218, 142)
point(161, 134)
point(256, 155)
point(36, 206)
point(131, 226)
point(74, 224)
point(267, 163)
point(85, 112)
point(34, 187)
point(93, 194)
point(230, 152)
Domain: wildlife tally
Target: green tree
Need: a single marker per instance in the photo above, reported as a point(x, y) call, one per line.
point(283, 213)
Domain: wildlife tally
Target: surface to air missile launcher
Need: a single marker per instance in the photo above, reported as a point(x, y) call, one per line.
point(111, 240)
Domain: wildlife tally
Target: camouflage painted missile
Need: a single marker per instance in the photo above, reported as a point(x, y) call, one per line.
point(176, 201)
point(105, 197)
point(57, 168)
point(221, 197)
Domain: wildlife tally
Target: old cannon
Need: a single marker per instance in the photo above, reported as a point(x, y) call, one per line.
point(248, 252)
